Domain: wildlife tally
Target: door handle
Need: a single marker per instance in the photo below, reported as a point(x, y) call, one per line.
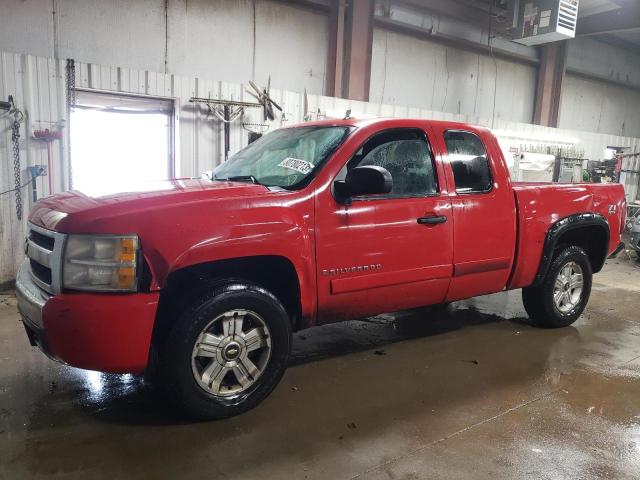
point(432, 220)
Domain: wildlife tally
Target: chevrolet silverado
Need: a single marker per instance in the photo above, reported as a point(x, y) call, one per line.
point(202, 281)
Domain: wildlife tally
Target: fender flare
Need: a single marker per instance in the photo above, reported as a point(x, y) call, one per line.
point(562, 226)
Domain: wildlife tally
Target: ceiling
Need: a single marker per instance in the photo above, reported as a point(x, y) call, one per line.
point(616, 22)
point(593, 7)
point(630, 38)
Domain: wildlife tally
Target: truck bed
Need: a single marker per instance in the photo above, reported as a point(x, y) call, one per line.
point(540, 204)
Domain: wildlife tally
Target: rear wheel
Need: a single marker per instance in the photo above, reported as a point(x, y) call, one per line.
point(226, 352)
point(563, 294)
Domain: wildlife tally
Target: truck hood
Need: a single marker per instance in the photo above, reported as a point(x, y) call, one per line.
point(70, 211)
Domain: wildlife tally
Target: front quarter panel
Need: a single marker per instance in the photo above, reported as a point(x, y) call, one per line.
point(277, 226)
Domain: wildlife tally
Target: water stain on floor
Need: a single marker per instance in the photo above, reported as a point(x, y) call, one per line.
point(459, 391)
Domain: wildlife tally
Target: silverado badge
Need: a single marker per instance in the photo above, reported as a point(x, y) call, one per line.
point(359, 268)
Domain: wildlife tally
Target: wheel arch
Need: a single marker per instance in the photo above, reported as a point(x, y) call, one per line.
point(589, 231)
point(274, 273)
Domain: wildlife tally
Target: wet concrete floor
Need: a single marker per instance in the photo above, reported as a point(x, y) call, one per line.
point(471, 391)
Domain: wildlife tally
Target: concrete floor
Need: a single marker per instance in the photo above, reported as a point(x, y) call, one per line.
point(470, 392)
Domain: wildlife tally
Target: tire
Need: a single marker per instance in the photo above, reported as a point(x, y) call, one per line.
point(539, 302)
point(206, 390)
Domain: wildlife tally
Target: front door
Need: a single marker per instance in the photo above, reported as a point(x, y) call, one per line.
point(386, 252)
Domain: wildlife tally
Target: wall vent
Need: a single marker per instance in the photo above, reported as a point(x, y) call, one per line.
point(545, 21)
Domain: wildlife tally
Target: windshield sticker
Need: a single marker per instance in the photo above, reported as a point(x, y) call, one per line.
point(296, 164)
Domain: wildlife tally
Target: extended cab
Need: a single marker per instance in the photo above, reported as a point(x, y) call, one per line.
point(202, 281)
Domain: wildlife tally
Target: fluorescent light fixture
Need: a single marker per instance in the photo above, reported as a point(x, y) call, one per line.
point(536, 137)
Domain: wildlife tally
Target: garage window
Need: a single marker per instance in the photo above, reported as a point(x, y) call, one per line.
point(468, 159)
point(117, 141)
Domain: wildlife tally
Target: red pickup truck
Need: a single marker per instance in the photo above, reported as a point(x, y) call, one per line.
point(202, 281)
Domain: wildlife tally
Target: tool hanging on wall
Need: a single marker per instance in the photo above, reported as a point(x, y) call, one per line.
point(18, 117)
point(70, 83)
point(264, 98)
point(48, 136)
point(227, 111)
point(305, 114)
point(256, 130)
point(35, 171)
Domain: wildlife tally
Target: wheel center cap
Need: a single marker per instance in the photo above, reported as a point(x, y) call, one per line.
point(231, 351)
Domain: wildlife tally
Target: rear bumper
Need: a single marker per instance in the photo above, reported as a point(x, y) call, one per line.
point(634, 241)
point(105, 332)
point(618, 249)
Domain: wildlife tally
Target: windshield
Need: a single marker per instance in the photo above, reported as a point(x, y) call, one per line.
point(284, 158)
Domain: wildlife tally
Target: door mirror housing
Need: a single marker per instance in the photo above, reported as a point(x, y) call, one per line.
point(366, 180)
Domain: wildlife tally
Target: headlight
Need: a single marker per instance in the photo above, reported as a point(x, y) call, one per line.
point(101, 263)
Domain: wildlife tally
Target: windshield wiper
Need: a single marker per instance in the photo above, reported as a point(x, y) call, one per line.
point(240, 178)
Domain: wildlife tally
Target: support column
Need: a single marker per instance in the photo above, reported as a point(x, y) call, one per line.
point(335, 58)
point(350, 44)
point(358, 46)
point(553, 63)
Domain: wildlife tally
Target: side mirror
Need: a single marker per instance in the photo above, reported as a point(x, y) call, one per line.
point(367, 180)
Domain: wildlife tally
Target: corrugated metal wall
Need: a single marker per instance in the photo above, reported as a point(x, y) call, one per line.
point(630, 176)
point(38, 86)
point(230, 40)
point(598, 106)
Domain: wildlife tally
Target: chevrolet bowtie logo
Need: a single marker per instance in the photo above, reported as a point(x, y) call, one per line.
point(356, 269)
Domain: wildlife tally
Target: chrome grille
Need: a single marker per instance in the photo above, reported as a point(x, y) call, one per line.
point(44, 250)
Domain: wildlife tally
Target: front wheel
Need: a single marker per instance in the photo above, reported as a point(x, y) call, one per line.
point(563, 294)
point(226, 352)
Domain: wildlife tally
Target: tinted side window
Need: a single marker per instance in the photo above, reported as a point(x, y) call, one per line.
point(469, 162)
point(408, 159)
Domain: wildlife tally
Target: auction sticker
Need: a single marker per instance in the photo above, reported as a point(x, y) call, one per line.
point(296, 164)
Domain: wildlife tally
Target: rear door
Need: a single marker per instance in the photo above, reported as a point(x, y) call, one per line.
point(386, 252)
point(484, 214)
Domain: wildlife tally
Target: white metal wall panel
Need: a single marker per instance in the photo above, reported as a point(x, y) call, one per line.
point(38, 85)
point(631, 178)
point(407, 70)
point(600, 107)
point(587, 55)
point(233, 40)
point(38, 90)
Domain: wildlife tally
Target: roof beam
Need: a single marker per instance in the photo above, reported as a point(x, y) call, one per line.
point(619, 42)
point(320, 6)
point(470, 12)
point(624, 3)
point(625, 18)
point(457, 42)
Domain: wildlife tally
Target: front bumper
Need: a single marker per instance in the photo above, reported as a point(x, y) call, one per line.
point(105, 332)
point(31, 302)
